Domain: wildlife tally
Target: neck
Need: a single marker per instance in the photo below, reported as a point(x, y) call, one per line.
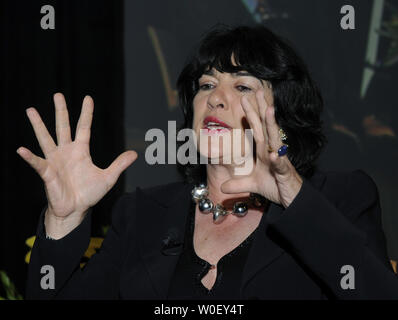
point(216, 176)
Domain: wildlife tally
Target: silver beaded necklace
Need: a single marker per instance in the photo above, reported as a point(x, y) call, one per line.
point(240, 208)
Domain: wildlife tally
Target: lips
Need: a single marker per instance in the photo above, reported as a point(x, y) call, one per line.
point(213, 123)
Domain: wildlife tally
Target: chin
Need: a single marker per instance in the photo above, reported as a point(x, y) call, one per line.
point(216, 155)
point(218, 145)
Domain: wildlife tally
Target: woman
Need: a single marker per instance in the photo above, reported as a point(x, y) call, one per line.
point(284, 230)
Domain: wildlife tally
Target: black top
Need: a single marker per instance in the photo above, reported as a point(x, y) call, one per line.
point(296, 253)
point(186, 282)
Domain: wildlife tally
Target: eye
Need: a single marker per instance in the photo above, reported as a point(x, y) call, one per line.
point(205, 86)
point(243, 88)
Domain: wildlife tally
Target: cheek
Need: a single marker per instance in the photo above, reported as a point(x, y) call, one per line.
point(239, 114)
point(241, 121)
point(269, 97)
point(199, 108)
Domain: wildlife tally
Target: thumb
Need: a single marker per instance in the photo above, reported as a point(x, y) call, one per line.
point(121, 163)
point(237, 185)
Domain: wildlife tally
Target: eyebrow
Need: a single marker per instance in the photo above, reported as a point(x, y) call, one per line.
point(243, 74)
point(235, 74)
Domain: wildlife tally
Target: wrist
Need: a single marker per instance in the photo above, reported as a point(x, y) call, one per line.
point(292, 191)
point(58, 227)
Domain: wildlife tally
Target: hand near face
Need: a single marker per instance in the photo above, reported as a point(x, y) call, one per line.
point(273, 177)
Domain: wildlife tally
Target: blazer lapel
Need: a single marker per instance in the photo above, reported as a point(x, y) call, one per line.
point(263, 251)
point(168, 210)
point(159, 216)
point(160, 219)
point(267, 247)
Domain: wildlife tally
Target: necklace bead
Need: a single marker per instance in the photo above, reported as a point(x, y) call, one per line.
point(200, 192)
point(219, 213)
point(205, 205)
point(240, 208)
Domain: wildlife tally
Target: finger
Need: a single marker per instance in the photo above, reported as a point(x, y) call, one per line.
point(83, 129)
point(62, 126)
point(280, 165)
point(237, 185)
point(262, 108)
point(46, 142)
point(272, 128)
point(37, 163)
point(121, 163)
point(253, 120)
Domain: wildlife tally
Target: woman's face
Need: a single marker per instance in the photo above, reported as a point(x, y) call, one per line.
point(218, 110)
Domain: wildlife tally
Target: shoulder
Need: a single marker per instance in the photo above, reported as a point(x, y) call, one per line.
point(161, 193)
point(164, 195)
point(336, 180)
point(347, 189)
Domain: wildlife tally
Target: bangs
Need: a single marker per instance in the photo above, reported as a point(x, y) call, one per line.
point(239, 51)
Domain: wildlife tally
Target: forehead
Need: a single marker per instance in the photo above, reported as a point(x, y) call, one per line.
point(213, 72)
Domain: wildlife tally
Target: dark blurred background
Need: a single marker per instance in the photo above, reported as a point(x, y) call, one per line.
point(127, 56)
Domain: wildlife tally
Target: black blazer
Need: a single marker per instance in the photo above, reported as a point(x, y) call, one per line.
point(298, 252)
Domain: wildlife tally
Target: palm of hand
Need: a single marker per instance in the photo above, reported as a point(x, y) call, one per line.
point(272, 176)
point(72, 182)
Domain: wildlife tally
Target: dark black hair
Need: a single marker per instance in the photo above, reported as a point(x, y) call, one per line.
point(297, 100)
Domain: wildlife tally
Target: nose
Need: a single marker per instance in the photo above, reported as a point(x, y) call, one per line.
point(217, 99)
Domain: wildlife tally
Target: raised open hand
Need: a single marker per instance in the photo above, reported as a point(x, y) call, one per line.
point(72, 182)
point(273, 176)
